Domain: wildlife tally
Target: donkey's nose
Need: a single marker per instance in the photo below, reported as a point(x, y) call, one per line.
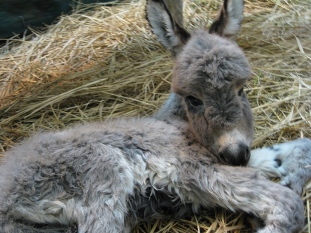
point(245, 154)
point(235, 155)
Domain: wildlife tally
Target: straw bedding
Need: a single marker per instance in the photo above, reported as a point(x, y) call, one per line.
point(105, 63)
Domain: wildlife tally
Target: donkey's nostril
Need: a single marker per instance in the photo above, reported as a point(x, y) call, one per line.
point(223, 158)
point(247, 154)
point(244, 154)
point(238, 155)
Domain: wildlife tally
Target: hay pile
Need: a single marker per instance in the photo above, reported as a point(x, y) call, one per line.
point(105, 63)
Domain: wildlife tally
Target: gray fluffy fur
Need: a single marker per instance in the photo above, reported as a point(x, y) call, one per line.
point(105, 177)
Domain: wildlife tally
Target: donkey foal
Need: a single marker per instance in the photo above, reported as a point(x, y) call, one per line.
point(104, 177)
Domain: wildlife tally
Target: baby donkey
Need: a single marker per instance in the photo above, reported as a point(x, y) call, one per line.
point(104, 177)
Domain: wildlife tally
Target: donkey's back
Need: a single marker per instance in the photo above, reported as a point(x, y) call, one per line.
point(55, 178)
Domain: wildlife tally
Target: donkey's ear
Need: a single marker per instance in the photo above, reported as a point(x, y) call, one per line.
point(229, 19)
point(170, 34)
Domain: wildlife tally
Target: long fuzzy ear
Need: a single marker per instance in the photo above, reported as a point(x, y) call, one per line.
point(229, 19)
point(175, 7)
point(169, 33)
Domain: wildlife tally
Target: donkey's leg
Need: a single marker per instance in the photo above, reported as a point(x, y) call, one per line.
point(290, 161)
point(103, 217)
point(107, 188)
point(238, 188)
point(107, 181)
point(102, 211)
point(8, 225)
point(37, 216)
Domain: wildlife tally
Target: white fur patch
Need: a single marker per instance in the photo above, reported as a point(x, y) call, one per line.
point(232, 139)
point(264, 159)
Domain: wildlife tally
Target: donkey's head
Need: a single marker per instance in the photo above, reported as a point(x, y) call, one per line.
point(209, 74)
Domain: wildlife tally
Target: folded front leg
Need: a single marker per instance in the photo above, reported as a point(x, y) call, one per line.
point(238, 188)
point(290, 161)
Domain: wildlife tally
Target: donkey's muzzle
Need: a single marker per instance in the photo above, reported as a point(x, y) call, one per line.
point(236, 155)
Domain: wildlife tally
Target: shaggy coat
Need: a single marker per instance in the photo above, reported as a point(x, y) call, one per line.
point(105, 177)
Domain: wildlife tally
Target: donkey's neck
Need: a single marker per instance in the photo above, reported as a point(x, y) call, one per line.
point(172, 109)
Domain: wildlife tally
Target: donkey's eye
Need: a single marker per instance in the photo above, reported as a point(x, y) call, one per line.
point(194, 101)
point(240, 91)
